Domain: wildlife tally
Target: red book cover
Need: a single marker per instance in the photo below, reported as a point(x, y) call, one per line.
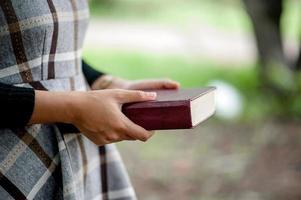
point(172, 109)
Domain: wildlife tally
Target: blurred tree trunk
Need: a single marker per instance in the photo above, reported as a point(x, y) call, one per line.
point(298, 63)
point(275, 72)
point(276, 75)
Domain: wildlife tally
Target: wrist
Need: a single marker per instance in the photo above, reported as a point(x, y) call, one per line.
point(52, 107)
point(75, 104)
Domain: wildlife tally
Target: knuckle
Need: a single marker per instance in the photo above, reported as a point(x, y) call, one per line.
point(112, 137)
point(106, 140)
point(119, 94)
point(120, 127)
point(100, 141)
point(116, 91)
point(140, 94)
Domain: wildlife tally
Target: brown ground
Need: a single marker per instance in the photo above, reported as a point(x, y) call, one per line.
point(218, 161)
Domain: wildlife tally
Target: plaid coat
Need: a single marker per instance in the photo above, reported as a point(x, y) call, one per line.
point(40, 47)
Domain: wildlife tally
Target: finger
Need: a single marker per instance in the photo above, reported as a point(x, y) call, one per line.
point(155, 84)
point(127, 96)
point(151, 133)
point(170, 84)
point(136, 131)
point(127, 137)
point(117, 137)
point(113, 137)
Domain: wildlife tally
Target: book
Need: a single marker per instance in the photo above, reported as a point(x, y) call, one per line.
point(173, 109)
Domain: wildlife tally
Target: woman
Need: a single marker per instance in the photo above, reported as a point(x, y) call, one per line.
point(42, 82)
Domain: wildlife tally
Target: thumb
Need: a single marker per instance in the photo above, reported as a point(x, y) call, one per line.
point(128, 96)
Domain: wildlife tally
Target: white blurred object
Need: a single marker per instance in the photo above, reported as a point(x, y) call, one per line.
point(229, 102)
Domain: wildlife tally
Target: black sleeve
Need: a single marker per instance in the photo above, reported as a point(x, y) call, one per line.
point(16, 105)
point(90, 73)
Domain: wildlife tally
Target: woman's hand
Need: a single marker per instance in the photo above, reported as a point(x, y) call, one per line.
point(97, 114)
point(110, 82)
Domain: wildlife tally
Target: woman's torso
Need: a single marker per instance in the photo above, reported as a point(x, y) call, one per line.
point(41, 40)
point(40, 47)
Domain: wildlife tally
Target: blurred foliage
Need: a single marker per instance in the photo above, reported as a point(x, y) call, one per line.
point(226, 14)
point(192, 72)
point(179, 11)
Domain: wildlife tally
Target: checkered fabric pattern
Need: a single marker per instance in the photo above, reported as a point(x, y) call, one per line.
point(40, 47)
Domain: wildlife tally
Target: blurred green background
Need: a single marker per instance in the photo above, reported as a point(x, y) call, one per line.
point(250, 153)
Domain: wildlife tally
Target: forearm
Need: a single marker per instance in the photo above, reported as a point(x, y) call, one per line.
point(51, 107)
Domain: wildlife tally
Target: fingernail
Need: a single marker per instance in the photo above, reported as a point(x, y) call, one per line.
point(151, 94)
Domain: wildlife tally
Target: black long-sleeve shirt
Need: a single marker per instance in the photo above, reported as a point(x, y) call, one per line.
point(17, 103)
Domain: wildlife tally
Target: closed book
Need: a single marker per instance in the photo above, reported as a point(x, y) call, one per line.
point(173, 109)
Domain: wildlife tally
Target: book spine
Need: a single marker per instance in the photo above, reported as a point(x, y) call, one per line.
point(172, 116)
